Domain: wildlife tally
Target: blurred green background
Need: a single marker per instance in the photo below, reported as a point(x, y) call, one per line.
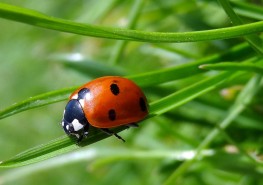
point(35, 61)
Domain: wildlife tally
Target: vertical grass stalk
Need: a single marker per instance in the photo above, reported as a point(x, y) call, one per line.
point(254, 40)
point(244, 98)
point(132, 19)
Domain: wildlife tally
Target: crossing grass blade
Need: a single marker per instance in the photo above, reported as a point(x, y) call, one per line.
point(37, 101)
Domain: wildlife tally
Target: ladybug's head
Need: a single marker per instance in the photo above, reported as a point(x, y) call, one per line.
point(74, 121)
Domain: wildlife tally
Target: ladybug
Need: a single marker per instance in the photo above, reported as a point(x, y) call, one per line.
point(104, 103)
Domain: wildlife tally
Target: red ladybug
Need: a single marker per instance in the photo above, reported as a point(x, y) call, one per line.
point(104, 103)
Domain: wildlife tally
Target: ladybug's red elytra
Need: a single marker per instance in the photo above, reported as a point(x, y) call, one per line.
point(104, 103)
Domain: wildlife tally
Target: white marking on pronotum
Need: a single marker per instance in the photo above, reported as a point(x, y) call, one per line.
point(77, 125)
point(67, 127)
point(81, 101)
point(88, 96)
point(62, 123)
point(75, 96)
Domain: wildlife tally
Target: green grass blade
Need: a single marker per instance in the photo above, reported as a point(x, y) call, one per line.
point(97, 157)
point(54, 148)
point(187, 94)
point(41, 152)
point(88, 67)
point(64, 144)
point(230, 66)
point(41, 20)
point(37, 101)
point(144, 80)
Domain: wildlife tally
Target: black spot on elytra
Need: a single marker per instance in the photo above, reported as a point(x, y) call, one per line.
point(114, 89)
point(82, 93)
point(112, 114)
point(142, 104)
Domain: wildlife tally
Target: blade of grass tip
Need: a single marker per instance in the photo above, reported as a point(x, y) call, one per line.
point(254, 40)
point(250, 60)
point(230, 66)
point(63, 145)
point(185, 95)
point(35, 18)
point(188, 69)
point(37, 101)
point(244, 98)
point(133, 17)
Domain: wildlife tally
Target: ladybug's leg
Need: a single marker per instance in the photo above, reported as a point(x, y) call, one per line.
point(134, 125)
point(85, 130)
point(83, 134)
point(107, 131)
point(80, 139)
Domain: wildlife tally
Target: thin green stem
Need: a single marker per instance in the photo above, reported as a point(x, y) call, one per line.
point(230, 12)
point(38, 19)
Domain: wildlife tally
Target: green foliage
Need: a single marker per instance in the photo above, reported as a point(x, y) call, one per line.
point(205, 121)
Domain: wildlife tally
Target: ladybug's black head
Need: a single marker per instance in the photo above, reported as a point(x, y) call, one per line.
point(74, 121)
